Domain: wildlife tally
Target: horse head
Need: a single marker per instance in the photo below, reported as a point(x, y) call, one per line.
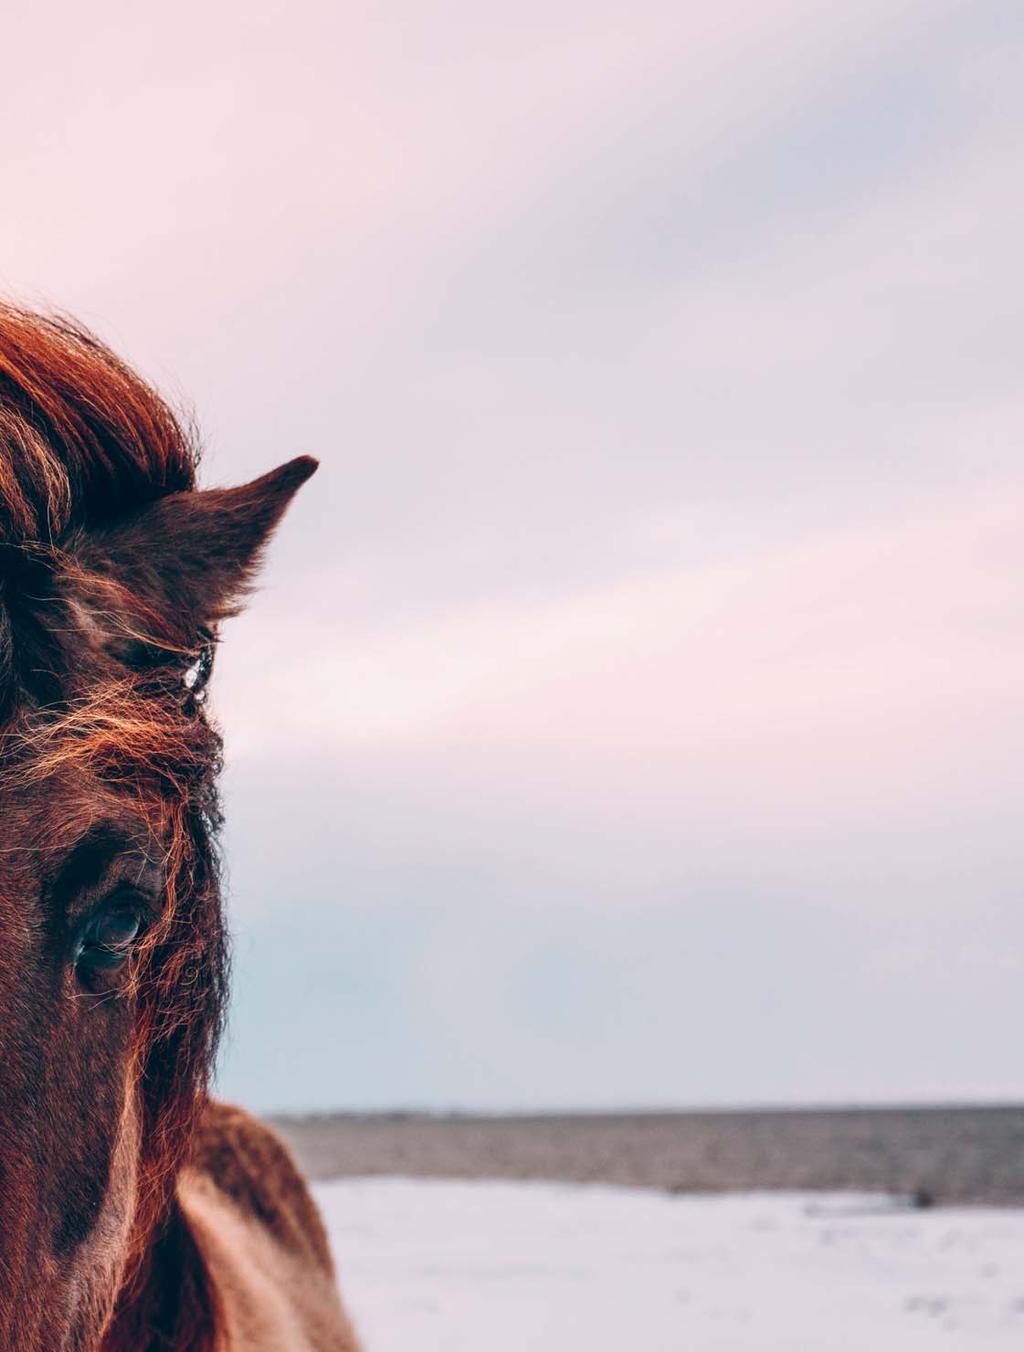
point(115, 573)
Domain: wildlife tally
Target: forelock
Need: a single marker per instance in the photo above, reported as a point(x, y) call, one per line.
point(83, 440)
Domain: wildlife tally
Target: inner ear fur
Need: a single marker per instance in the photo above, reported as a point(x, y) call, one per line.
point(167, 574)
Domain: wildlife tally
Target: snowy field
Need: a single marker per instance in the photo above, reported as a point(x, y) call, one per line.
point(502, 1267)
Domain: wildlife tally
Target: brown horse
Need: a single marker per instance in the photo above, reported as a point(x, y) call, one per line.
point(134, 1213)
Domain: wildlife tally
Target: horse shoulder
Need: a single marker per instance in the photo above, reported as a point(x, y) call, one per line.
point(262, 1239)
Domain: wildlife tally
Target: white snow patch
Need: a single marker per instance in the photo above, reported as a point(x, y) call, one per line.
point(501, 1267)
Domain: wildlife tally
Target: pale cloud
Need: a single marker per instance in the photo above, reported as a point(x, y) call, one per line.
point(786, 697)
point(850, 620)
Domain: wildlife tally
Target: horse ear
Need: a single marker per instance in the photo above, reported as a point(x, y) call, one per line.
point(183, 563)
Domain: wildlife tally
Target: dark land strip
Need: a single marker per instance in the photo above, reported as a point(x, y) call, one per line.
point(938, 1155)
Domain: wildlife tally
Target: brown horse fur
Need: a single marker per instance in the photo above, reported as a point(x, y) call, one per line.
point(134, 1213)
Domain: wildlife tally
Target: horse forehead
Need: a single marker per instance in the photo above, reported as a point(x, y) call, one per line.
point(42, 821)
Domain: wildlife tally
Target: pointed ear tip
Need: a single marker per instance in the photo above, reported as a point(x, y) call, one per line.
point(287, 479)
point(283, 481)
point(300, 469)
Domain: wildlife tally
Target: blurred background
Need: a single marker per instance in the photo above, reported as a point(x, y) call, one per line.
point(637, 689)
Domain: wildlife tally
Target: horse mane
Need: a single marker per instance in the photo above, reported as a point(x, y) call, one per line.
point(82, 437)
point(84, 441)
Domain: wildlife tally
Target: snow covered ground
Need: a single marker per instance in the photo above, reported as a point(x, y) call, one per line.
point(525, 1267)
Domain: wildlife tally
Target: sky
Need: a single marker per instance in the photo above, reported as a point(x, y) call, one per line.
point(631, 713)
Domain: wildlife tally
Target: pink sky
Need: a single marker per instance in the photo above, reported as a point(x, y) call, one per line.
point(639, 679)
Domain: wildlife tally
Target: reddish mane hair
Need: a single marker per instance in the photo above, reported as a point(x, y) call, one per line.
point(82, 437)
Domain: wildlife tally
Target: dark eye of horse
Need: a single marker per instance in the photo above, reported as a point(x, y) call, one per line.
point(108, 938)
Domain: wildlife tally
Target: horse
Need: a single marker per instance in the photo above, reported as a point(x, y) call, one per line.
point(136, 1213)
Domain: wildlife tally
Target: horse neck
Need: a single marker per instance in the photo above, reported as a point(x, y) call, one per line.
point(171, 1305)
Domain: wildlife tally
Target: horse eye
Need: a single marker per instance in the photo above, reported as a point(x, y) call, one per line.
point(197, 675)
point(108, 938)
